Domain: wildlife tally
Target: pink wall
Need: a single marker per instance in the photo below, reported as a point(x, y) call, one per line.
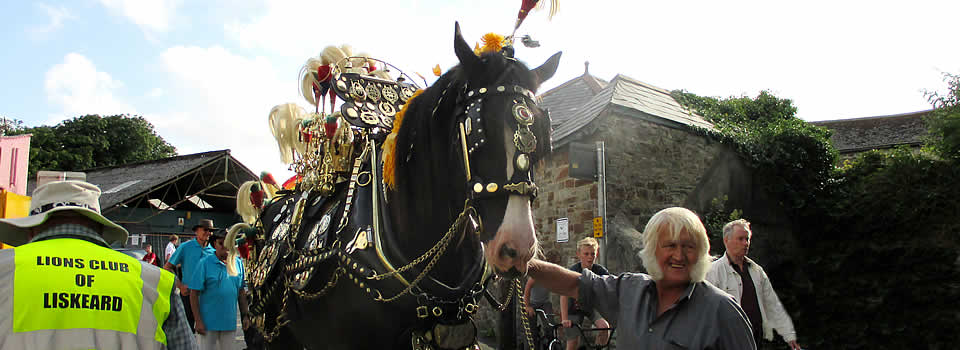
point(14, 157)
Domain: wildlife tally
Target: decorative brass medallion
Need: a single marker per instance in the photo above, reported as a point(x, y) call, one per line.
point(369, 118)
point(352, 113)
point(280, 231)
point(523, 162)
point(373, 93)
point(406, 93)
point(361, 240)
point(386, 122)
point(525, 141)
point(357, 91)
point(388, 109)
point(522, 114)
point(390, 94)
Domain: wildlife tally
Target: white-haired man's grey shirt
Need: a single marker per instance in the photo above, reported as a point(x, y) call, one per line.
point(704, 318)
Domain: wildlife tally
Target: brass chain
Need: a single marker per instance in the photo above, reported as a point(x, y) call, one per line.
point(326, 289)
point(437, 251)
point(441, 244)
point(523, 314)
point(506, 301)
point(281, 322)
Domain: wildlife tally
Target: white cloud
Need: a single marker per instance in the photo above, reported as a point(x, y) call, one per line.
point(155, 93)
point(152, 16)
point(223, 100)
point(57, 15)
point(78, 88)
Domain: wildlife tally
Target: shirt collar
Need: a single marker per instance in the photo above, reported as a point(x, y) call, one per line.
point(687, 293)
point(71, 231)
point(746, 261)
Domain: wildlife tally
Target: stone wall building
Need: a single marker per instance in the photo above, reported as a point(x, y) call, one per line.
point(656, 157)
point(654, 160)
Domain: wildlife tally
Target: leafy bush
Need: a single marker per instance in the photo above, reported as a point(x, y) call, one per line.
point(880, 234)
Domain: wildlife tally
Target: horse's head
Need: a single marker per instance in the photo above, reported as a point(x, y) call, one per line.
point(505, 135)
point(476, 134)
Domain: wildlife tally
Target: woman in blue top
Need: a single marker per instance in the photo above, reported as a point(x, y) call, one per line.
point(217, 288)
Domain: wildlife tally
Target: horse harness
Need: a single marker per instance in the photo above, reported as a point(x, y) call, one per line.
point(354, 245)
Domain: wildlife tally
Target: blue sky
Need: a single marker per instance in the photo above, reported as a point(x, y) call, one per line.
point(206, 73)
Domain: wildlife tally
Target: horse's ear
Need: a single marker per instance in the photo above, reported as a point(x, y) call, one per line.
point(546, 70)
point(464, 53)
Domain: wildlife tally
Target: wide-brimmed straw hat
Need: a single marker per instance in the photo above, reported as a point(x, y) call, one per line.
point(59, 196)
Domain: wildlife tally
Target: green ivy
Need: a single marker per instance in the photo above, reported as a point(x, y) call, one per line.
point(880, 234)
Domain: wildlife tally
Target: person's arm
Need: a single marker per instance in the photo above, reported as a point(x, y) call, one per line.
point(195, 304)
point(733, 327)
point(176, 328)
point(556, 278)
point(526, 296)
point(171, 266)
point(244, 308)
point(564, 311)
point(777, 315)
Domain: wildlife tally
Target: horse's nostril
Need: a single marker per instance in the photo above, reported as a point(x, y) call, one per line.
point(508, 252)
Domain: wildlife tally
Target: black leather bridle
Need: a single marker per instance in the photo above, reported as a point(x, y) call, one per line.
point(472, 137)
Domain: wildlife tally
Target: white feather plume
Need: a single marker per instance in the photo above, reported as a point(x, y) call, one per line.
point(245, 207)
point(284, 124)
point(231, 244)
point(308, 78)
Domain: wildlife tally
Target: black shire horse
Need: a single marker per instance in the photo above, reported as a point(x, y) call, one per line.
point(377, 267)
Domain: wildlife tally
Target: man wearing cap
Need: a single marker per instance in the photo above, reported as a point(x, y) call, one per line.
point(62, 287)
point(187, 256)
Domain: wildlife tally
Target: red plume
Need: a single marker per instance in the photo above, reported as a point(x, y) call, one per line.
point(256, 196)
point(268, 179)
point(525, 7)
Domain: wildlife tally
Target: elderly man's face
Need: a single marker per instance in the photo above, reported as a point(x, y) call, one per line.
point(676, 257)
point(203, 234)
point(737, 242)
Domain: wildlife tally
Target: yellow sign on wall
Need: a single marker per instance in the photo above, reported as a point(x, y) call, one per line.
point(13, 205)
point(598, 227)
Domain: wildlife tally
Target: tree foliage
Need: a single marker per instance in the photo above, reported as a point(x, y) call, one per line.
point(944, 121)
point(878, 234)
point(790, 156)
point(93, 141)
point(10, 125)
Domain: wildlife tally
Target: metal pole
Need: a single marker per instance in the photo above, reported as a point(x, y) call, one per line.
point(602, 198)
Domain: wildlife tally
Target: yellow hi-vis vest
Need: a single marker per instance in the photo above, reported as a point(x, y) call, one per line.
point(68, 293)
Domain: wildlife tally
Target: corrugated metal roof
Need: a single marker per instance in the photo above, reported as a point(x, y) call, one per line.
point(123, 183)
point(638, 98)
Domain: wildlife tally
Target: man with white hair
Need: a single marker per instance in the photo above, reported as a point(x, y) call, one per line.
point(672, 307)
point(746, 281)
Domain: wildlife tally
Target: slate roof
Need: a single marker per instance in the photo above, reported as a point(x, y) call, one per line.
point(121, 184)
point(863, 134)
point(565, 100)
point(627, 96)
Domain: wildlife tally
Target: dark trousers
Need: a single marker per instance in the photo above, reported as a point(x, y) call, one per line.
point(187, 308)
